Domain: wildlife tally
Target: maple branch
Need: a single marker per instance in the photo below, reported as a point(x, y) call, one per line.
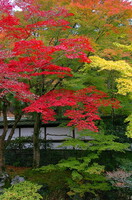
point(51, 40)
point(48, 83)
point(108, 21)
point(100, 34)
point(79, 67)
point(59, 82)
point(7, 90)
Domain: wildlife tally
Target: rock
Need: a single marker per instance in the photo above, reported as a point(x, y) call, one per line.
point(4, 181)
point(17, 179)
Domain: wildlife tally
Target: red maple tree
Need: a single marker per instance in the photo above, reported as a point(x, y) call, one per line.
point(31, 69)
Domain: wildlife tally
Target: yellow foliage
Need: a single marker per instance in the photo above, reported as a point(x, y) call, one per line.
point(124, 86)
point(124, 83)
point(129, 127)
point(125, 47)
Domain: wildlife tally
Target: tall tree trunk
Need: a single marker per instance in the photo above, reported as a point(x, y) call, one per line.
point(3, 135)
point(2, 156)
point(3, 142)
point(36, 145)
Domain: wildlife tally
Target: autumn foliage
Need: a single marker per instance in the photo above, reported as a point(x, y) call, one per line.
point(28, 64)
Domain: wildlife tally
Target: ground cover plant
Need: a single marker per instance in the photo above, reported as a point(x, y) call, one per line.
point(24, 190)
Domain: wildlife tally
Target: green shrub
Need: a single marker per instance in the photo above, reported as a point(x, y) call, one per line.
point(86, 175)
point(54, 184)
point(22, 191)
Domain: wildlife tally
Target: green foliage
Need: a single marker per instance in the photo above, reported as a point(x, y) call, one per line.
point(19, 143)
point(83, 177)
point(86, 174)
point(22, 191)
point(54, 185)
point(123, 79)
point(98, 142)
point(125, 163)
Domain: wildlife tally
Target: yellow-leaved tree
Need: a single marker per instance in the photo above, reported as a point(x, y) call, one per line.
point(123, 80)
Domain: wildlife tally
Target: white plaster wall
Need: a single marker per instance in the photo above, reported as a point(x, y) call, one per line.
point(16, 133)
point(52, 133)
point(59, 132)
point(42, 135)
point(26, 132)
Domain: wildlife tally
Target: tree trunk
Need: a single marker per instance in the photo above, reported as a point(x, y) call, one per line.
point(17, 119)
point(36, 146)
point(2, 156)
point(3, 135)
